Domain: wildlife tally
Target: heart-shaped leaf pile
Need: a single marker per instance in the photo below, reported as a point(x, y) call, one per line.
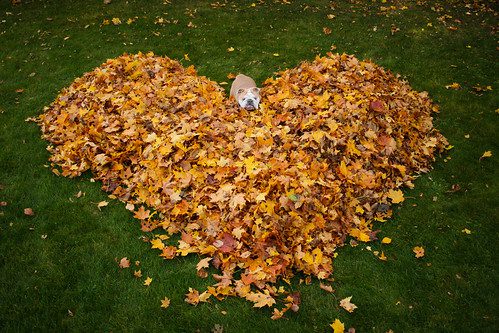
point(261, 194)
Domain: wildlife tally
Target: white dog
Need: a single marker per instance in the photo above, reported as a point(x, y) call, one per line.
point(245, 92)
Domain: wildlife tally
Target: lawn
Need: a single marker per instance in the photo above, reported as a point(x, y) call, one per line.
point(59, 266)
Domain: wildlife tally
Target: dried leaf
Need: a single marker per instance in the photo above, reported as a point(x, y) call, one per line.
point(347, 305)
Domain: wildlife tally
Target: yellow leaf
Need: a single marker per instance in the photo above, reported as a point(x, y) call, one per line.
point(147, 281)
point(343, 169)
point(453, 86)
point(347, 305)
point(418, 251)
point(157, 244)
point(487, 153)
point(386, 240)
point(466, 231)
point(318, 135)
point(238, 232)
point(165, 303)
point(396, 196)
point(102, 204)
point(338, 326)
point(230, 49)
point(186, 57)
point(116, 21)
point(203, 263)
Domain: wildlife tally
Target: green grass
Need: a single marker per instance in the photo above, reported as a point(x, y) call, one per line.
point(71, 281)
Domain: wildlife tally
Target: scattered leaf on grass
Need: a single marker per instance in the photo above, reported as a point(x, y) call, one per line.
point(124, 262)
point(338, 326)
point(102, 204)
point(386, 240)
point(147, 281)
point(165, 303)
point(453, 86)
point(486, 154)
point(29, 212)
point(466, 231)
point(418, 251)
point(326, 287)
point(347, 305)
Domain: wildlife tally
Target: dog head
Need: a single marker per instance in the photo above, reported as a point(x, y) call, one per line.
point(248, 99)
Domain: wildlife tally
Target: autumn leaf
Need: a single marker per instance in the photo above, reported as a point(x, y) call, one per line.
point(418, 251)
point(338, 326)
point(102, 204)
point(396, 196)
point(29, 212)
point(486, 154)
point(141, 214)
point(347, 305)
point(192, 297)
point(260, 299)
point(147, 281)
point(466, 231)
point(386, 240)
point(326, 287)
point(137, 274)
point(124, 262)
point(165, 303)
point(157, 243)
point(453, 86)
point(203, 263)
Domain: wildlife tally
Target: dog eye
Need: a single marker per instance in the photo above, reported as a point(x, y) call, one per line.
point(240, 91)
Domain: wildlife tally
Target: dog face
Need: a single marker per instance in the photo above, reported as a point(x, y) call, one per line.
point(248, 99)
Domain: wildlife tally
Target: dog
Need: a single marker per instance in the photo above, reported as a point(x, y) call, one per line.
point(245, 92)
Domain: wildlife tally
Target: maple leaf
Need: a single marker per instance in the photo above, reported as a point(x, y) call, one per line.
point(203, 263)
point(124, 262)
point(338, 326)
point(137, 274)
point(157, 244)
point(453, 86)
point(102, 204)
point(327, 288)
point(237, 201)
point(142, 213)
point(147, 281)
point(386, 240)
point(29, 212)
point(192, 297)
point(260, 299)
point(486, 154)
point(418, 251)
point(347, 305)
point(238, 232)
point(396, 196)
point(165, 303)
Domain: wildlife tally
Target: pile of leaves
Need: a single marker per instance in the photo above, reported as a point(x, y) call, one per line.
point(259, 195)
